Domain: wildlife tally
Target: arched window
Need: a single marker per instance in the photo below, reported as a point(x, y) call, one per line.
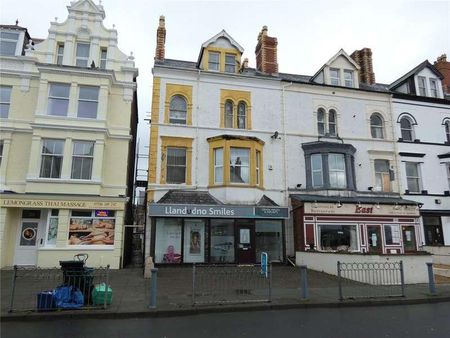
point(332, 122)
point(321, 121)
point(178, 110)
point(228, 114)
point(376, 126)
point(406, 128)
point(447, 130)
point(242, 115)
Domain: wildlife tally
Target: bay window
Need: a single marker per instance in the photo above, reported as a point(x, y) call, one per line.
point(336, 167)
point(239, 165)
point(218, 165)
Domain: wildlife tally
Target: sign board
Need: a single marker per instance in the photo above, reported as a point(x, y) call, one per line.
point(219, 211)
point(264, 259)
point(361, 210)
point(60, 204)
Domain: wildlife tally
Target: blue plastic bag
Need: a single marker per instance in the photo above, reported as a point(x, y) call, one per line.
point(68, 297)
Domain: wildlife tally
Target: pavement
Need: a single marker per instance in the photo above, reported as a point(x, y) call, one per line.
point(131, 294)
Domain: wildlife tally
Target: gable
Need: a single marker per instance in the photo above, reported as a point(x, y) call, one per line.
point(342, 63)
point(87, 6)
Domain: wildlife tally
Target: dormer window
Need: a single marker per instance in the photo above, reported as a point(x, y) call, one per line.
point(334, 77)
point(8, 43)
point(348, 78)
point(230, 63)
point(214, 61)
point(422, 86)
point(82, 54)
point(433, 88)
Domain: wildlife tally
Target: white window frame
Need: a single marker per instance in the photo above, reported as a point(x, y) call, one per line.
point(52, 156)
point(228, 114)
point(47, 229)
point(87, 100)
point(173, 119)
point(411, 130)
point(82, 158)
point(331, 112)
point(422, 89)
point(348, 82)
point(337, 171)
point(375, 128)
point(210, 63)
point(59, 53)
point(391, 226)
point(418, 178)
point(337, 80)
point(325, 122)
point(316, 170)
point(58, 98)
point(434, 88)
point(6, 103)
point(258, 166)
point(447, 167)
point(230, 67)
point(383, 175)
point(447, 130)
point(16, 41)
point(82, 59)
point(218, 165)
point(2, 149)
point(241, 165)
point(321, 122)
point(239, 114)
point(103, 59)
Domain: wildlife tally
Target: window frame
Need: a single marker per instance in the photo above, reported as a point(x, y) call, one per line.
point(321, 124)
point(375, 129)
point(240, 166)
point(447, 130)
point(168, 166)
point(82, 158)
point(52, 157)
point(348, 82)
point(80, 100)
point(79, 60)
point(5, 103)
point(228, 65)
point(173, 120)
point(325, 122)
point(103, 57)
point(8, 41)
point(335, 80)
point(434, 91)
point(240, 115)
point(447, 167)
point(410, 130)
point(382, 175)
point(317, 170)
point(422, 84)
point(59, 53)
point(58, 98)
point(210, 63)
point(418, 178)
point(216, 166)
point(353, 228)
point(2, 149)
point(337, 171)
point(258, 167)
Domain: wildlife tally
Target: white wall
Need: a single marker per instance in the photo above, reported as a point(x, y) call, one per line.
point(441, 254)
point(415, 268)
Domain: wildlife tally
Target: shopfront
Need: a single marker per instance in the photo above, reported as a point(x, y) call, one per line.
point(216, 233)
point(41, 232)
point(366, 225)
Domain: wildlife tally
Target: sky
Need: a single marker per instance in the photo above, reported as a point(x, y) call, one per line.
point(400, 33)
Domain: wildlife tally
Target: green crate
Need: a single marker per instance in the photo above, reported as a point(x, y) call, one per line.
point(98, 295)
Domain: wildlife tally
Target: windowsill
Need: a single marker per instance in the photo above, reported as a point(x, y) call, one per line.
point(236, 185)
point(70, 118)
point(62, 181)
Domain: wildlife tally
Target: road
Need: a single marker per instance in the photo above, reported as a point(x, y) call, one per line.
point(428, 320)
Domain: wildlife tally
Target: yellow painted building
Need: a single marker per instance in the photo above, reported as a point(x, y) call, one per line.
point(68, 125)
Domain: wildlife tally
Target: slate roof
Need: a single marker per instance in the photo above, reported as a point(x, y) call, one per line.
point(266, 202)
point(414, 71)
point(189, 197)
point(353, 199)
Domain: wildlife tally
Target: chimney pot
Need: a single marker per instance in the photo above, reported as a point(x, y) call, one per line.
point(266, 53)
point(161, 39)
point(363, 58)
point(443, 66)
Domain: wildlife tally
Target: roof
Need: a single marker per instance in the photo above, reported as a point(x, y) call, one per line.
point(266, 202)
point(189, 197)
point(16, 27)
point(223, 34)
point(414, 71)
point(353, 199)
point(341, 52)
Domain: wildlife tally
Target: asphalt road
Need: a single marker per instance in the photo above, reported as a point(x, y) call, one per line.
point(409, 321)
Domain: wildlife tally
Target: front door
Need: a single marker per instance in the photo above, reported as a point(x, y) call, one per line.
point(245, 242)
point(374, 238)
point(29, 237)
point(409, 238)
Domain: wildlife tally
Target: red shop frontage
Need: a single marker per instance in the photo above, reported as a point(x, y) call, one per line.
point(368, 224)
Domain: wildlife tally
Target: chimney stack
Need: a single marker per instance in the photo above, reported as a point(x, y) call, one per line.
point(363, 58)
point(161, 39)
point(443, 66)
point(266, 53)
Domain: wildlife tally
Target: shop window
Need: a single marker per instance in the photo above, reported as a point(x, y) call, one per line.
point(168, 243)
point(327, 122)
point(382, 176)
point(433, 230)
point(82, 55)
point(194, 241)
point(230, 63)
point(214, 61)
point(178, 110)
point(82, 160)
point(92, 227)
point(239, 165)
point(103, 55)
point(392, 234)
point(218, 166)
point(59, 54)
point(336, 237)
point(376, 126)
point(269, 240)
point(51, 158)
point(222, 241)
point(413, 177)
point(88, 102)
point(58, 99)
point(176, 165)
point(5, 101)
point(52, 229)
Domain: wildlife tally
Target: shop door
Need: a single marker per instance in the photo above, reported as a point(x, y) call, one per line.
point(29, 238)
point(409, 238)
point(245, 242)
point(374, 238)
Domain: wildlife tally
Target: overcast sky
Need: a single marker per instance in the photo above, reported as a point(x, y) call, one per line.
point(401, 34)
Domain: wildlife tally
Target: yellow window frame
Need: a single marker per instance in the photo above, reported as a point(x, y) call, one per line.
point(184, 91)
point(236, 96)
point(176, 142)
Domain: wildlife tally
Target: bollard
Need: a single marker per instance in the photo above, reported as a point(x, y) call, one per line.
point(339, 280)
point(402, 278)
point(153, 289)
point(304, 281)
point(193, 284)
point(270, 282)
point(105, 304)
point(431, 285)
point(11, 303)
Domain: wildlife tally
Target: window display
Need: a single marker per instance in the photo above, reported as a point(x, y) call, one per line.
point(392, 234)
point(52, 227)
point(269, 240)
point(92, 227)
point(194, 241)
point(222, 241)
point(337, 237)
point(168, 245)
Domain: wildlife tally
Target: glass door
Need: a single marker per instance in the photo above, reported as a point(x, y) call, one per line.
point(246, 242)
point(409, 238)
point(374, 239)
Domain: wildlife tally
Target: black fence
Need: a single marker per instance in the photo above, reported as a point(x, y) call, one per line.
point(370, 280)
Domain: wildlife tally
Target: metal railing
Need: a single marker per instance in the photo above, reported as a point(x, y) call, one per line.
point(34, 289)
point(225, 284)
point(370, 280)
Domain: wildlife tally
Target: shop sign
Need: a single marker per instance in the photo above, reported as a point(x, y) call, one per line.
point(182, 210)
point(364, 209)
point(60, 204)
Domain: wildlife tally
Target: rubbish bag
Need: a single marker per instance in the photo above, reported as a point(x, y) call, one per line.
point(68, 297)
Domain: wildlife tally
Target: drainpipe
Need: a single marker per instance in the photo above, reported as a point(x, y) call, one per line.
point(397, 162)
point(196, 128)
point(283, 121)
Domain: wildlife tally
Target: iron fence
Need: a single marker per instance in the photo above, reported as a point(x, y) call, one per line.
point(226, 284)
point(370, 280)
point(37, 289)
